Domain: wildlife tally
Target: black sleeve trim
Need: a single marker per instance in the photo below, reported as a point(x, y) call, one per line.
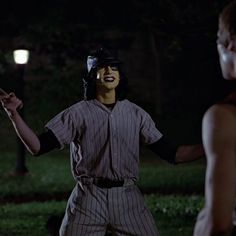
point(48, 142)
point(164, 149)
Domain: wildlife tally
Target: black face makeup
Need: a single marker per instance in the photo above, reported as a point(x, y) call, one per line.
point(114, 67)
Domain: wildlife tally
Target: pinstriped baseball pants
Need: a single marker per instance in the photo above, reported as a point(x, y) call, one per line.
point(121, 209)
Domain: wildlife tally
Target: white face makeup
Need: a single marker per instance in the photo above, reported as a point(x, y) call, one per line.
point(108, 77)
point(226, 46)
point(227, 62)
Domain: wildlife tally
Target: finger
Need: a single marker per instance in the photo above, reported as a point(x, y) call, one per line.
point(20, 105)
point(12, 94)
point(19, 101)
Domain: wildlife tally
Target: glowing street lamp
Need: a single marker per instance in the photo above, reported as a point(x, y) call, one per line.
point(21, 57)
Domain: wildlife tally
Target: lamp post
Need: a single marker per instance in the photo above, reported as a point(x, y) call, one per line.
point(21, 57)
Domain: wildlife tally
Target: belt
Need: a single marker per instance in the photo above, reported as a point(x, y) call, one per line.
point(106, 183)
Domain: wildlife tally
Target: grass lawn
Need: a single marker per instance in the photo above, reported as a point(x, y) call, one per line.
point(28, 218)
point(27, 202)
point(177, 212)
point(51, 175)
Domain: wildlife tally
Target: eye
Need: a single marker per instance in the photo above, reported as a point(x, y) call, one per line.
point(115, 68)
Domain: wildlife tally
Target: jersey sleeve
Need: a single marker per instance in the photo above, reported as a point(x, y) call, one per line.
point(63, 127)
point(149, 133)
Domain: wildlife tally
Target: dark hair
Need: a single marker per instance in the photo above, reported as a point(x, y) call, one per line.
point(104, 57)
point(228, 18)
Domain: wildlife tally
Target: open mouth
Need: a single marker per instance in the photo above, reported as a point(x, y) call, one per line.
point(109, 79)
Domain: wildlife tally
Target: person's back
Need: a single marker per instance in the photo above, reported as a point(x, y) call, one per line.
point(219, 139)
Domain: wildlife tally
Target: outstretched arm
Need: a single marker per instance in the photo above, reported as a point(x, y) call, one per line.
point(219, 137)
point(187, 153)
point(176, 154)
point(10, 104)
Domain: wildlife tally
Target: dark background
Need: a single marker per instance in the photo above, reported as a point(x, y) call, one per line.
point(168, 49)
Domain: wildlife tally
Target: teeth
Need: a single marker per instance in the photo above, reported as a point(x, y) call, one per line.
point(109, 79)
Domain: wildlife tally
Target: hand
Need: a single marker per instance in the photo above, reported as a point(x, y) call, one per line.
point(10, 103)
point(187, 153)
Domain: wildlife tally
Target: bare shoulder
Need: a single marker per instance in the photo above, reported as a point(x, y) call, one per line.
point(221, 112)
point(220, 119)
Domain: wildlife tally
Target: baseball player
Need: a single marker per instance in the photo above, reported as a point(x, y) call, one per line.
point(104, 132)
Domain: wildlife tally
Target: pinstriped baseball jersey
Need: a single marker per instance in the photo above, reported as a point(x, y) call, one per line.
point(103, 142)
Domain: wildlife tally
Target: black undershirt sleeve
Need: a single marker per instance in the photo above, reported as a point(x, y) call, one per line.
point(48, 142)
point(164, 149)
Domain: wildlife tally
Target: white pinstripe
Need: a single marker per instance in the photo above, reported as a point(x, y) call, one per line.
point(90, 212)
point(105, 143)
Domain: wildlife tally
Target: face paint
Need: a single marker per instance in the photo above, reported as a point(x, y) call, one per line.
point(227, 62)
point(108, 77)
